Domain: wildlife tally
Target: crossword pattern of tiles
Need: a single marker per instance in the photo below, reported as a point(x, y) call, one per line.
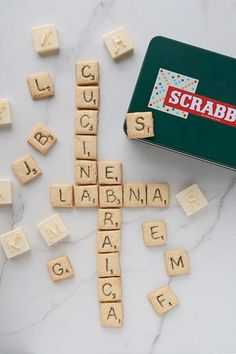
point(108, 243)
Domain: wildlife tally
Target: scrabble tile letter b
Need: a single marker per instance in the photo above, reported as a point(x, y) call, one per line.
point(139, 125)
point(26, 169)
point(191, 199)
point(118, 43)
point(40, 86)
point(60, 268)
point(163, 300)
point(42, 138)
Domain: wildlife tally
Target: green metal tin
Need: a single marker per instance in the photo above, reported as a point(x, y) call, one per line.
point(195, 136)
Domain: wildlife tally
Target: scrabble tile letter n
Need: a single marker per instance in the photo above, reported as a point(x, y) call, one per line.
point(163, 300)
point(118, 43)
point(40, 86)
point(26, 169)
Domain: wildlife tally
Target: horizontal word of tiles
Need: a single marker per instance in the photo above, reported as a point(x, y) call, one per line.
point(109, 172)
point(86, 196)
point(62, 195)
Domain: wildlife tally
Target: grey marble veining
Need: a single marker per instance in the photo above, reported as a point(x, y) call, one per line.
point(37, 316)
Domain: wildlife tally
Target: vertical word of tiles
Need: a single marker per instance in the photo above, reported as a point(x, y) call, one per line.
point(111, 314)
point(85, 172)
point(109, 219)
point(87, 73)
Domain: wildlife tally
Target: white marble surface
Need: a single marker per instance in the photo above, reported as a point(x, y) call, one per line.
point(37, 316)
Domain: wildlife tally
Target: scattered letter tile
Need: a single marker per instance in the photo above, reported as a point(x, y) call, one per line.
point(163, 300)
point(60, 268)
point(5, 192)
point(109, 219)
point(154, 233)
point(26, 169)
point(109, 289)
point(87, 97)
point(14, 243)
point(53, 229)
point(45, 39)
point(86, 122)
point(139, 125)
point(42, 138)
point(108, 265)
point(191, 199)
point(177, 262)
point(118, 43)
point(86, 196)
point(85, 172)
point(40, 86)
point(108, 241)
point(158, 195)
point(134, 195)
point(61, 195)
point(111, 314)
point(109, 172)
point(87, 73)
point(86, 147)
point(5, 113)
point(110, 196)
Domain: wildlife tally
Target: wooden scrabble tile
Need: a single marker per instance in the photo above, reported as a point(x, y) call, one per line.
point(52, 229)
point(40, 86)
point(87, 97)
point(87, 73)
point(109, 219)
point(14, 243)
point(108, 241)
point(85, 172)
point(154, 233)
point(109, 172)
point(26, 169)
point(111, 314)
point(86, 196)
point(177, 262)
point(110, 196)
point(5, 113)
point(118, 43)
point(163, 300)
point(139, 125)
point(134, 195)
point(60, 268)
point(86, 122)
point(109, 289)
point(86, 147)
point(5, 192)
point(42, 138)
point(45, 39)
point(61, 195)
point(108, 265)
point(158, 195)
point(191, 199)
